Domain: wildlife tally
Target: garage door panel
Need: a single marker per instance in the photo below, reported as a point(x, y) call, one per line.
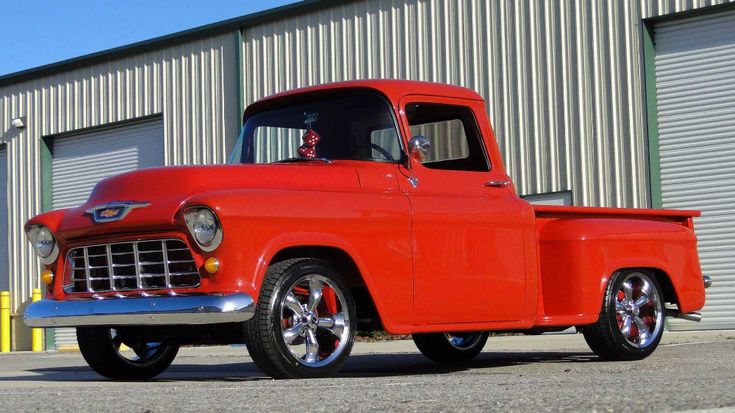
point(695, 87)
point(82, 160)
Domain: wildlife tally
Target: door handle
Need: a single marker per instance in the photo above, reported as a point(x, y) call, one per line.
point(497, 184)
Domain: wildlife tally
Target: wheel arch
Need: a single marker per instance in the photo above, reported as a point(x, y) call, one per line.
point(659, 272)
point(368, 316)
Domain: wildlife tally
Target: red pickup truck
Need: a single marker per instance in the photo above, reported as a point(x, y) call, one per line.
point(353, 207)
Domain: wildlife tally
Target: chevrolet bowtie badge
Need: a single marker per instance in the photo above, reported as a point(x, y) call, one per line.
point(114, 211)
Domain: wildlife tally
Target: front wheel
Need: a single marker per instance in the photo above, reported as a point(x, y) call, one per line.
point(304, 322)
point(102, 348)
point(631, 318)
point(451, 347)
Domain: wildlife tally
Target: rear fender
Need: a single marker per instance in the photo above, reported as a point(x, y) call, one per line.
point(578, 257)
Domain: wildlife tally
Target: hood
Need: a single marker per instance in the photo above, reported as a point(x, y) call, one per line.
point(167, 188)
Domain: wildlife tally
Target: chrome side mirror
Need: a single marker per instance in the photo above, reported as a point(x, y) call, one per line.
point(418, 147)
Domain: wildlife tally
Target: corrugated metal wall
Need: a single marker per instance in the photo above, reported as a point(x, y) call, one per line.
point(192, 85)
point(563, 79)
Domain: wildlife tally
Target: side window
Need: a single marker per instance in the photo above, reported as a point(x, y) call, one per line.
point(452, 131)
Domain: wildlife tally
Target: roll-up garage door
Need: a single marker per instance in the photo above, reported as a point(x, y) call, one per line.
point(695, 86)
point(82, 160)
point(4, 244)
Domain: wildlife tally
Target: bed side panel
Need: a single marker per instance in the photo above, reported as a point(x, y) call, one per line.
point(578, 255)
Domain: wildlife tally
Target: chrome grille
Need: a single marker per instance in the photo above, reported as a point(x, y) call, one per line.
point(124, 266)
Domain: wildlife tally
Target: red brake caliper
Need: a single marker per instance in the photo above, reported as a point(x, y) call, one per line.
point(330, 304)
point(618, 317)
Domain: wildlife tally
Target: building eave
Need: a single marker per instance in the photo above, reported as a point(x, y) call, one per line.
point(209, 30)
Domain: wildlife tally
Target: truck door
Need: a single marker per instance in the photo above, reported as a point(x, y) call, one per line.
point(467, 235)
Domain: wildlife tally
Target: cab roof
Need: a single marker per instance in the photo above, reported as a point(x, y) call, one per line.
point(394, 90)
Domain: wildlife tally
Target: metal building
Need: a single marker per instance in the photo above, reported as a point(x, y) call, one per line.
point(614, 103)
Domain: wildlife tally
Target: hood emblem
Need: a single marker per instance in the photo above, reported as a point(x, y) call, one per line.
point(114, 211)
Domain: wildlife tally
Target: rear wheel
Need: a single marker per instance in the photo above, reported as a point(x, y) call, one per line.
point(304, 323)
point(631, 318)
point(102, 348)
point(451, 347)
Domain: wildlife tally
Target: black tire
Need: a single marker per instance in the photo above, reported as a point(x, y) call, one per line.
point(627, 329)
point(451, 347)
point(274, 318)
point(100, 347)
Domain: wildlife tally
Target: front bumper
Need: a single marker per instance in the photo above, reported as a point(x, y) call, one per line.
point(143, 311)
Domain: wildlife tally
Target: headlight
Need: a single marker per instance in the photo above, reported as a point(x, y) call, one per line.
point(44, 243)
point(204, 227)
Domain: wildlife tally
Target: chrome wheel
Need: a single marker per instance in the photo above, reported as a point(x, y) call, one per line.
point(638, 310)
point(464, 341)
point(113, 354)
point(137, 353)
point(315, 318)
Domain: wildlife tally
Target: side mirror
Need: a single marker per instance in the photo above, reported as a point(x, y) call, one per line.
point(418, 147)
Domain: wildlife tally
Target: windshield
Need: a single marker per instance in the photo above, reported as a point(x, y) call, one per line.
point(354, 126)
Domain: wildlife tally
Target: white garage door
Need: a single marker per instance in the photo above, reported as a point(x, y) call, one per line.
point(695, 83)
point(80, 161)
point(4, 245)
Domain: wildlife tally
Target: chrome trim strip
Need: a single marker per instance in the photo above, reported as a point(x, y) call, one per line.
point(166, 263)
point(136, 260)
point(110, 267)
point(179, 310)
point(694, 316)
point(86, 270)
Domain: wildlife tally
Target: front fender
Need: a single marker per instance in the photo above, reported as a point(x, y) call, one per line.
point(374, 230)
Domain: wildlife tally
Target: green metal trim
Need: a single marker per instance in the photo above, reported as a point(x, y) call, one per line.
point(47, 202)
point(49, 338)
point(288, 10)
point(654, 156)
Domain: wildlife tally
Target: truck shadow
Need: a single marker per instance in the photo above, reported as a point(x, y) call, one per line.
point(359, 365)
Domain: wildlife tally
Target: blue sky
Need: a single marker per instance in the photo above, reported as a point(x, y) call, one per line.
point(37, 32)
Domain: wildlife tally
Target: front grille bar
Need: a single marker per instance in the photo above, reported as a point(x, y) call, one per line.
point(110, 267)
point(135, 265)
point(136, 257)
point(166, 274)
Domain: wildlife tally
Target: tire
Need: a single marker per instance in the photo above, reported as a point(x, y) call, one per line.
point(631, 319)
point(304, 322)
point(101, 348)
point(451, 347)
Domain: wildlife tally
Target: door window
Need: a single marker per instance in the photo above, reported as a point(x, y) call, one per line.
point(453, 134)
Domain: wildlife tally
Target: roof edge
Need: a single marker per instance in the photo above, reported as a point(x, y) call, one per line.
point(172, 39)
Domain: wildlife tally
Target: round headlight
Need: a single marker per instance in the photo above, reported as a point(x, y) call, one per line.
point(45, 242)
point(205, 227)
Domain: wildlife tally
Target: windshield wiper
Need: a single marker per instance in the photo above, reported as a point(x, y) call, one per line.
point(299, 159)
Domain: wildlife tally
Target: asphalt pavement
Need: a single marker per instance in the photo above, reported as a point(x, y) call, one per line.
point(689, 371)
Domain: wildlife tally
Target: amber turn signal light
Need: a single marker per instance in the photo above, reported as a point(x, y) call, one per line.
point(47, 276)
point(211, 265)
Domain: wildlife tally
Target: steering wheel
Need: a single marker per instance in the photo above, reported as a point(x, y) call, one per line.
point(382, 151)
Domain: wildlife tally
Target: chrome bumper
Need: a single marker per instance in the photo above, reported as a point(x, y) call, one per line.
point(145, 311)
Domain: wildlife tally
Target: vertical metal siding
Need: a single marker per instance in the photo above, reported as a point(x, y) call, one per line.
point(563, 80)
point(192, 85)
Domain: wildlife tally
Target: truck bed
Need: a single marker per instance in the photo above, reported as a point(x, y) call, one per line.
point(579, 248)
